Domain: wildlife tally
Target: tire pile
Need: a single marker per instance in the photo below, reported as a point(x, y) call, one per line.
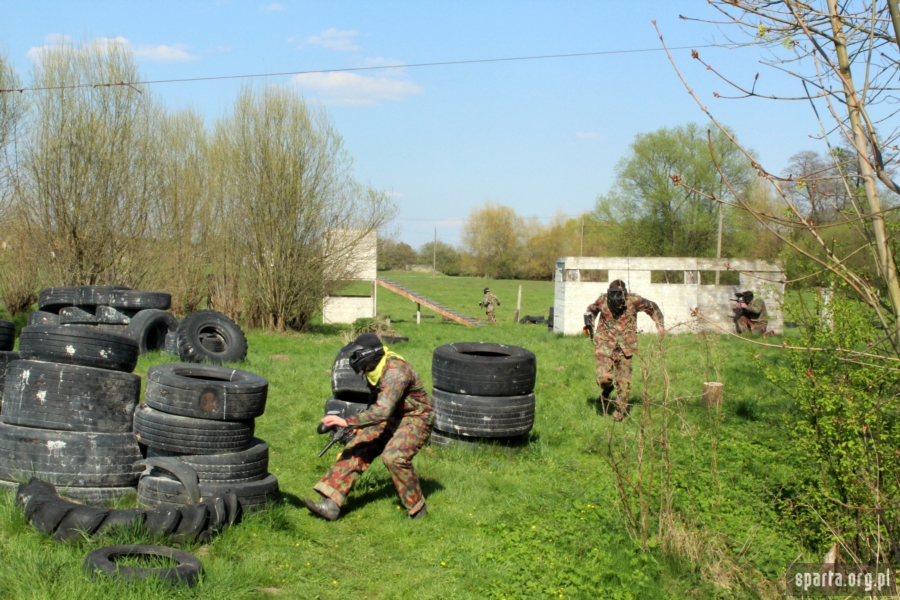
point(7, 343)
point(483, 392)
point(203, 415)
point(138, 315)
point(67, 412)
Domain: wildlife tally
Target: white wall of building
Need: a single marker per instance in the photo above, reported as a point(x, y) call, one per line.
point(676, 300)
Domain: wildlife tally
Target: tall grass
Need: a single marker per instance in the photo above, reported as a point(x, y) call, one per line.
point(542, 521)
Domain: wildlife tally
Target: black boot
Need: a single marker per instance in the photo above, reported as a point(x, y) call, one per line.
point(325, 508)
point(420, 513)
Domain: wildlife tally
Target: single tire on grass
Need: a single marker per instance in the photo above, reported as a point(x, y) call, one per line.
point(206, 391)
point(78, 346)
point(202, 325)
point(103, 562)
point(69, 397)
point(484, 369)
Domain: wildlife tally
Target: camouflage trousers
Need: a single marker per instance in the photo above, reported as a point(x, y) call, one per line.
point(397, 441)
point(742, 325)
point(614, 372)
point(490, 317)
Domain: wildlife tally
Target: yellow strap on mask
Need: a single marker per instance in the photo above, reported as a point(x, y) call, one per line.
point(374, 376)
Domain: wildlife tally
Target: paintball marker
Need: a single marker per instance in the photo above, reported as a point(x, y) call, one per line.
point(588, 328)
point(338, 434)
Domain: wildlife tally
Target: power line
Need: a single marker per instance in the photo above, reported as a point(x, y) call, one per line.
point(349, 69)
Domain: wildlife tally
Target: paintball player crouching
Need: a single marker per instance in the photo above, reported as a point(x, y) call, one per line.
point(750, 314)
point(396, 426)
point(615, 339)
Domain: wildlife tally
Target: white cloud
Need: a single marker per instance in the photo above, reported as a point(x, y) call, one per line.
point(163, 53)
point(335, 40)
point(354, 89)
point(160, 53)
point(274, 7)
point(587, 135)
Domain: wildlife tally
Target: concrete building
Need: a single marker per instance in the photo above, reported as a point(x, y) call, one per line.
point(580, 280)
point(360, 264)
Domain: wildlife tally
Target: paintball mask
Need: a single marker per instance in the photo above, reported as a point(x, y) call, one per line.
point(486, 290)
point(364, 352)
point(615, 296)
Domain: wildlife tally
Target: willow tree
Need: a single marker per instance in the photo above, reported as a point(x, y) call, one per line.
point(87, 185)
point(290, 215)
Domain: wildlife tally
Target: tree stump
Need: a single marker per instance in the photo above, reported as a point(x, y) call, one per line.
point(713, 392)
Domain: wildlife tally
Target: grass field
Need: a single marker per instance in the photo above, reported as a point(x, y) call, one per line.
point(543, 521)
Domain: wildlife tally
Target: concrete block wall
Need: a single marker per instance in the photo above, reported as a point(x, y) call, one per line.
point(676, 300)
point(346, 309)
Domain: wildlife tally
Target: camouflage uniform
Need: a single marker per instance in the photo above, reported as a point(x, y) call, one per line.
point(488, 304)
point(395, 426)
point(745, 321)
point(615, 341)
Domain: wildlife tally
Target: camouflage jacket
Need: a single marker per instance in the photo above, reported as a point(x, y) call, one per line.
point(621, 332)
point(399, 393)
point(489, 301)
point(756, 311)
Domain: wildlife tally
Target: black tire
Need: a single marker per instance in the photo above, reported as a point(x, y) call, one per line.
point(194, 518)
point(122, 519)
point(42, 317)
point(206, 391)
point(50, 514)
point(344, 408)
point(166, 492)
point(96, 295)
point(81, 520)
point(7, 335)
point(162, 521)
point(69, 398)
point(186, 434)
point(483, 416)
point(149, 329)
point(75, 315)
point(135, 299)
point(346, 384)
point(171, 343)
point(114, 316)
point(96, 496)
point(52, 299)
point(78, 346)
point(200, 326)
point(102, 562)
point(67, 458)
point(185, 475)
point(442, 439)
point(483, 369)
point(251, 464)
point(5, 359)
point(550, 320)
point(393, 339)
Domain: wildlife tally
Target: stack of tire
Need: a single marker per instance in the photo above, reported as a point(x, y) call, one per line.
point(203, 415)
point(483, 393)
point(7, 343)
point(139, 315)
point(67, 412)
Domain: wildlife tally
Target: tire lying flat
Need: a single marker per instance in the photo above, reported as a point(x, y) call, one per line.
point(52, 299)
point(484, 369)
point(483, 416)
point(69, 397)
point(251, 464)
point(102, 562)
point(186, 434)
point(200, 325)
point(42, 317)
point(162, 491)
point(139, 300)
point(206, 391)
point(66, 458)
point(82, 346)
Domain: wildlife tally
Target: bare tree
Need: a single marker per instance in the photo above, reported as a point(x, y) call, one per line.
point(289, 214)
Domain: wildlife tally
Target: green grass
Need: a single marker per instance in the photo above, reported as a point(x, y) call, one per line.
point(542, 521)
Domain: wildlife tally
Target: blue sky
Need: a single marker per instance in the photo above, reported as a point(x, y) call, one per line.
point(541, 136)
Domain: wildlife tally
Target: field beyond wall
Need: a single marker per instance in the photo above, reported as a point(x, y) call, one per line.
point(543, 521)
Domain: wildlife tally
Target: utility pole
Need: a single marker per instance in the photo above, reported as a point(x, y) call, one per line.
point(434, 255)
point(581, 252)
